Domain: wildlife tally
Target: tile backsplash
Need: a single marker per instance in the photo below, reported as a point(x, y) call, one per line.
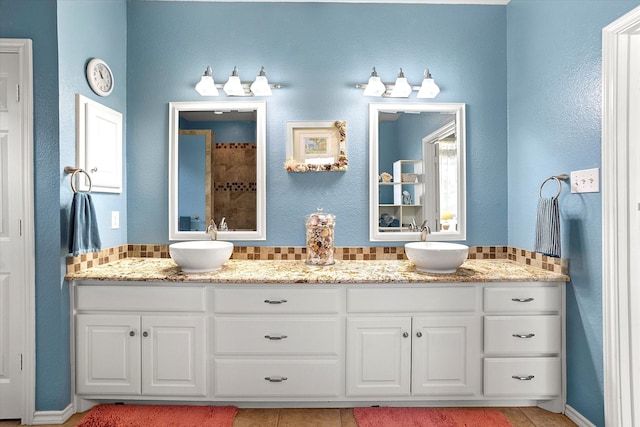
point(295, 253)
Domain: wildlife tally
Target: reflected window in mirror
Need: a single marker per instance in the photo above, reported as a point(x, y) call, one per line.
point(217, 165)
point(417, 174)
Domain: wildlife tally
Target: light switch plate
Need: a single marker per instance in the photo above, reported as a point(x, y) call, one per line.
point(585, 181)
point(115, 220)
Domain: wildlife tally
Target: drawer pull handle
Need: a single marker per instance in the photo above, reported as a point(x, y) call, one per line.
point(523, 335)
point(279, 301)
point(275, 337)
point(522, 378)
point(275, 379)
point(521, 299)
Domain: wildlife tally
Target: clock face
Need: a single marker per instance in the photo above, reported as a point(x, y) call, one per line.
point(100, 77)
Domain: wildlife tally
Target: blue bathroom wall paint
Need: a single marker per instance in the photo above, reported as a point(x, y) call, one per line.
point(554, 85)
point(37, 21)
point(325, 50)
point(86, 30)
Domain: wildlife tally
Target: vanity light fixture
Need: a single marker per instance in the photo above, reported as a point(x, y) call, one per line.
point(429, 88)
point(401, 88)
point(260, 86)
point(234, 86)
point(375, 87)
point(206, 86)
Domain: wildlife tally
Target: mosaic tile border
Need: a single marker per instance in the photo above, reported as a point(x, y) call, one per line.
point(297, 253)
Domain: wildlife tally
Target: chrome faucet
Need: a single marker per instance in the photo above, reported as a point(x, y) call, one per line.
point(223, 225)
point(212, 230)
point(425, 230)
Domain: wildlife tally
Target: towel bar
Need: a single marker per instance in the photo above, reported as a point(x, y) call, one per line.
point(74, 171)
point(556, 178)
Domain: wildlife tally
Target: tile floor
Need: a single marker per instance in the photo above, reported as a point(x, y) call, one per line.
point(519, 417)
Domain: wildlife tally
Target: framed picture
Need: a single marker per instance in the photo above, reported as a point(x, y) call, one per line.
point(316, 146)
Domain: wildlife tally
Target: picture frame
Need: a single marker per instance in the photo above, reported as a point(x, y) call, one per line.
point(318, 146)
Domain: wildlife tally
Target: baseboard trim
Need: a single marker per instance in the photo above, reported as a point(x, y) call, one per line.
point(577, 417)
point(53, 417)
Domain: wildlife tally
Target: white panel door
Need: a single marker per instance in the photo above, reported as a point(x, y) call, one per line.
point(379, 356)
point(108, 354)
point(12, 280)
point(446, 355)
point(173, 355)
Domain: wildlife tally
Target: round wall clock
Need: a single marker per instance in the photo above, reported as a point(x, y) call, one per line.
point(100, 77)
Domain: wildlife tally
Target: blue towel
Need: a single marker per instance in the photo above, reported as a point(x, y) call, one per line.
point(83, 234)
point(548, 227)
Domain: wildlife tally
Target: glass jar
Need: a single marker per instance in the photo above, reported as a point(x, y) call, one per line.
point(320, 228)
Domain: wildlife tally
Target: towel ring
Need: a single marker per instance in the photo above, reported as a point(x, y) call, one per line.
point(545, 181)
point(74, 172)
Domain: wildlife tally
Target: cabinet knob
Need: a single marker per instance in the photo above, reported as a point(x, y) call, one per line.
point(145, 334)
point(419, 334)
point(523, 335)
point(521, 299)
point(275, 379)
point(275, 337)
point(132, 333)
point(280, 301)
point(522, 378)
point(405, 334)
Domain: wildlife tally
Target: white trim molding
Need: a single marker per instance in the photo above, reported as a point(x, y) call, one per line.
point(52, 417)
point(480, 2)
point(23, 48)
point(577, 417)
point(616, 238)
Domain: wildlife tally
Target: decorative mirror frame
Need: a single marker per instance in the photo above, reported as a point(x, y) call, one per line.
point(260, 107)
point(416, 107)
point(335, 135)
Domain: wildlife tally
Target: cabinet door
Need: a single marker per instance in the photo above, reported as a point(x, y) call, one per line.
point(446, 356)
point(173, 355)
point(378, 356)
point(107, 354)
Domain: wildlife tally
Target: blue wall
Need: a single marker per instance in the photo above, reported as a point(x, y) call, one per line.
point(554, 84)
point(325, 50)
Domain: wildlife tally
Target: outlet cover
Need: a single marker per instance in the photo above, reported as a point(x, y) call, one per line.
point(585, 181)
point(115, 220)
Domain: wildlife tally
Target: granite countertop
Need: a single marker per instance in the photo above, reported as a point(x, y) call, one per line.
point(354, 272)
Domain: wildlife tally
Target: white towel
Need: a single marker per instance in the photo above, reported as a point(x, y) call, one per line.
point(548, 227)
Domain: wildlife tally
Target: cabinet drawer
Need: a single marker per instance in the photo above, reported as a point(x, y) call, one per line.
point(271, 378)
point(276, 300)
point(522, 299)
point(139, 298)
point(534, 377)
point(292, 336)
point(461, 299)
point(513, 335)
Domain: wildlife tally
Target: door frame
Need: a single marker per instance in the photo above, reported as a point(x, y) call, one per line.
point(23, 48)
point(616, 248)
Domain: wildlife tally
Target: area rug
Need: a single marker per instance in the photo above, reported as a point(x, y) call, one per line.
point(429, 417)
point(159, 416)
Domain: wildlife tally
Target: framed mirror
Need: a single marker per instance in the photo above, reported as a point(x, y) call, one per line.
point(217, 170)
point(417, 171)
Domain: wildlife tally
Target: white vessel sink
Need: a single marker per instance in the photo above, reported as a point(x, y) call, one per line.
point(201, 256)
point(436, 257)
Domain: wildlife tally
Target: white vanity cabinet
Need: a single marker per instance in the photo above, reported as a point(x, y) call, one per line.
point(434, 349)
point(275, 343)
point(140, 342)
point(523, 341)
